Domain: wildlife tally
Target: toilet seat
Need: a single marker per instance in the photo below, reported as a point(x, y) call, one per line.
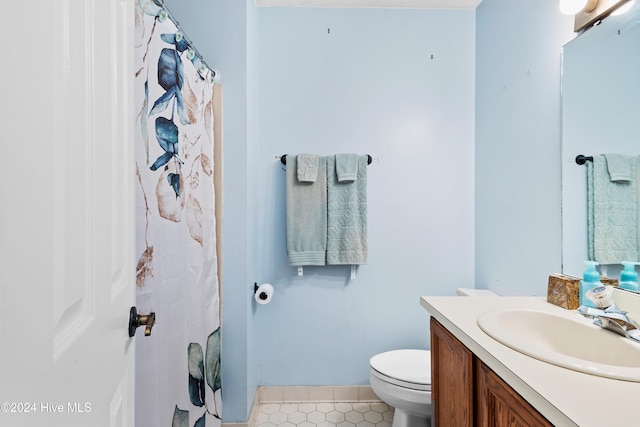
point(404, 368)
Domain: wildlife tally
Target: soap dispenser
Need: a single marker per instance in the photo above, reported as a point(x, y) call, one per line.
point(629, 277)
point(590, 280)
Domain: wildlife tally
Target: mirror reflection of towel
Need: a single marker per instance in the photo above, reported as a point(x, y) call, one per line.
point(620, 167)
point(612, 214)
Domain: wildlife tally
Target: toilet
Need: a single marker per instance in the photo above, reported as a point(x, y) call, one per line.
point(402, 379)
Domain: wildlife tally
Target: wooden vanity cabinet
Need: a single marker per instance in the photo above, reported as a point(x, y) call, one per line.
point(466, 392)
point(452, 387)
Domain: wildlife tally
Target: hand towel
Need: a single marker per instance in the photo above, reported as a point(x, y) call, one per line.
point(620, 167)
point(307, 167)
point(306, 216)
point(347, 167)
point(612, 214)
point(347, 215)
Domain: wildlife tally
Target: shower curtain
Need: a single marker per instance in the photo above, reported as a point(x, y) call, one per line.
point(178, 366)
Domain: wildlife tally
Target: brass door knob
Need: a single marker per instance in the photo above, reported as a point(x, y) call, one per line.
point(136, 320)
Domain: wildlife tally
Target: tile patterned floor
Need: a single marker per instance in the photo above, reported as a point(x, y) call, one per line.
point(324, 414)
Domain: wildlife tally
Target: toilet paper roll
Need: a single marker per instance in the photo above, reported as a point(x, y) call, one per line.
point(264, 293)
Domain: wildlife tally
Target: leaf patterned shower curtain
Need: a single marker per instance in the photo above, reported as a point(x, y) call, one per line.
point(178, 366)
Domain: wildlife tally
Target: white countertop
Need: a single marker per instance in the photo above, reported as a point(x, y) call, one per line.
point(563, 396)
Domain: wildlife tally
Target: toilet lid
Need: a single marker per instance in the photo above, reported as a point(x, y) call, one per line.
point(410, 366)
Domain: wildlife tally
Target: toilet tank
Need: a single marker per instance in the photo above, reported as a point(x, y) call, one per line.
point(468, 292)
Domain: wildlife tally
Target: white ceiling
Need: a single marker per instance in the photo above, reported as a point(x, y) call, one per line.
point(412, 4)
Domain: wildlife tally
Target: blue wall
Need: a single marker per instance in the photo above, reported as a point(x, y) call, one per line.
point(363, 81)
point(450, 202)
point(518, 144)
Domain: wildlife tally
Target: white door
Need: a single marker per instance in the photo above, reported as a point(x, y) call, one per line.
point(66, 213)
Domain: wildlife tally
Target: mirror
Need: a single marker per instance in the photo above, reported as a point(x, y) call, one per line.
point(600, 114)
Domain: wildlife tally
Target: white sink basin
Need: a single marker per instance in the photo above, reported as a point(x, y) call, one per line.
point(568, 340)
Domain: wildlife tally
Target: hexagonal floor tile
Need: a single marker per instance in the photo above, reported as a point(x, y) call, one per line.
point(316, 417)
point(361, 407)
point(379, 407)
point(354, 417)
point(278, 418)
point(307, 407)
point(324, 414)
point(297, 417)
point(288, 408)
point(335, 417)
point(325, 407)
point(373, 417)
point(270, 408)
point(344, 407)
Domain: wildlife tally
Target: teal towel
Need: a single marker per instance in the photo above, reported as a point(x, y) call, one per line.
point(306, 216)
point(307, 167)
point(620, 167)
point(347, 215)
point(612, 214)
point(347, 167)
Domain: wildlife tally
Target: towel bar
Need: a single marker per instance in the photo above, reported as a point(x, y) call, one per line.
point(283, 159)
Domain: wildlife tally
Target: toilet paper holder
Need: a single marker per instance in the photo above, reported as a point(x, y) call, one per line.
point(263, 295)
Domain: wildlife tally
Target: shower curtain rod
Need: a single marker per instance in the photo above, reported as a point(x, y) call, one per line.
point(283, 159)
point(160, 3)
point(582, 159)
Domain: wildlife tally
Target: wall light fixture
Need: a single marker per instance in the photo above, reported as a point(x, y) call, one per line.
point(588, 12)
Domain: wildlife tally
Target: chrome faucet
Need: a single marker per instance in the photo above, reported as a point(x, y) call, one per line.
point(614, 320)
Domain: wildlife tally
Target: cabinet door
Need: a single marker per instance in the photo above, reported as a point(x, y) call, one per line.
point(451, 379)
point(499, 405)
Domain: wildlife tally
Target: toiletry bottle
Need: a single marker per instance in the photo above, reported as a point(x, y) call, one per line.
point(590, 280)
point(629, 277)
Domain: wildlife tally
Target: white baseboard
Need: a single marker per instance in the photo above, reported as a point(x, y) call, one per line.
point(294, 394)
point(284, 394)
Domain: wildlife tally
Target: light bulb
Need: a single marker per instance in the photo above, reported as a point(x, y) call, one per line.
point(571, 7)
